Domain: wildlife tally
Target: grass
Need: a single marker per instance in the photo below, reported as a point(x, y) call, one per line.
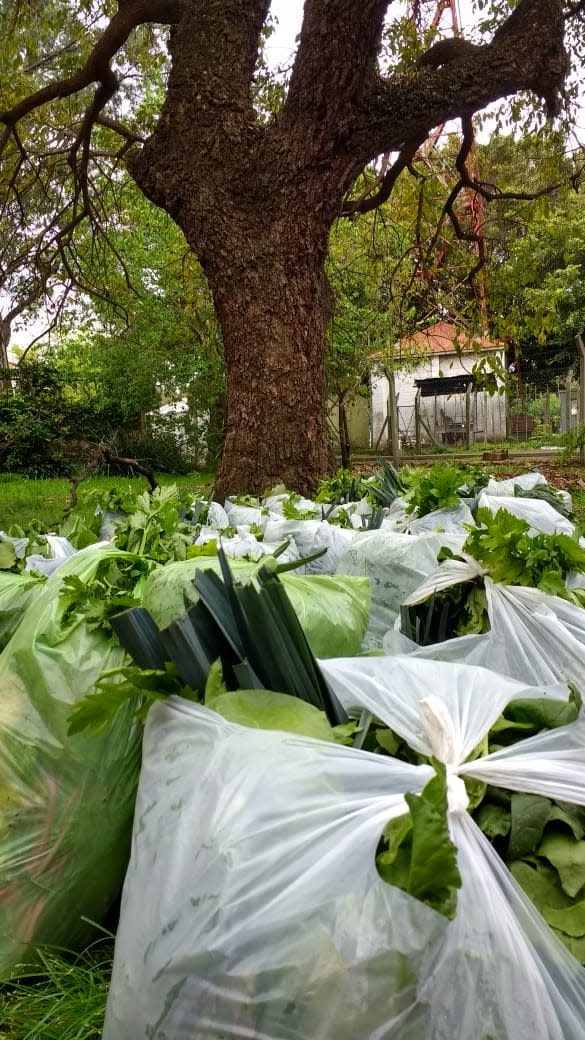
point(63, 997)
point(23, 500)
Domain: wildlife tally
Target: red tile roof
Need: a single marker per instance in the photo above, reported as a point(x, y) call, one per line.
point(442, 338)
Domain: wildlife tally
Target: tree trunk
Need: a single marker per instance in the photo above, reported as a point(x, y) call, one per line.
point(272, 316)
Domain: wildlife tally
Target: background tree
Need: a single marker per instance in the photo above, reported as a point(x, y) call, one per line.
point(536, 271)
point(254, 197)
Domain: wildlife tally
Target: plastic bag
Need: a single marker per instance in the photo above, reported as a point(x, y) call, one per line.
point(270, 920)
point(396, 564)
point(333, 611)
point(61, 549)
point(452, 521)
point(66, 802)
point(527, 481)
point(16, 592)
point(540, 515)
point(535, 638)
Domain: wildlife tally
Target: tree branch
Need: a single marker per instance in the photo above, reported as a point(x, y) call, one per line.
point(527, 53)
point(129, 15)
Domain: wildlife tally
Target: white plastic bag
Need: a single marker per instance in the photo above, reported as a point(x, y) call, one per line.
point(252, 907)
point(310, 536)
point(527, 481)
point(540, 515)
point(396, 564)
point(452, 520)
point(534, 638)
point(61, 550)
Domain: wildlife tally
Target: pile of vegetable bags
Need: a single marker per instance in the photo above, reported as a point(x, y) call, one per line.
point(510, 600)
point(287, 886)
point(68, 796)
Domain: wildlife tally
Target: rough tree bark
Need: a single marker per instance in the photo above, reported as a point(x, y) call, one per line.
point(256, 199)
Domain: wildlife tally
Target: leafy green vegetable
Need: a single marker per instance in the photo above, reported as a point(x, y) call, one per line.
point(115, 586)
point(252, 629)
point(265, 709)
point(436, 488)
point(7, 556)
point(502, 543)
point(567, 855)
point(416, 853)
point(97, 712)
point(153, 529)
point(529, 816)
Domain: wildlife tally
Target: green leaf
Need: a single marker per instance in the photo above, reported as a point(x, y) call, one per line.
point(7, 556)
point(530, 814)
point(567, 855)
point(386, 740)
point(541, 884)
point(493, 819)
point(570, 920)
point(266, 709)
point(97, 712)
point(421, 858)
point(542, 712)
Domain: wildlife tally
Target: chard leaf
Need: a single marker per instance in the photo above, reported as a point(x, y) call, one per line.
point(571, 815)
point(7, 555)
point(421, 859)
point(567, 855)
point(494, 820)
point(541, 884)
point(570, 920)
point(530, 814)
point(542, 712)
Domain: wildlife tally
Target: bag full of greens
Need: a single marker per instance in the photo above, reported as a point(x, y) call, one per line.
point(66, 802)
point(451, 520)
point(283, 886)
point(532, 637)
point(395, 564)
point(541, 515)
point(506, 580)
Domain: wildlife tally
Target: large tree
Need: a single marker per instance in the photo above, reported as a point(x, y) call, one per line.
point(256, 197)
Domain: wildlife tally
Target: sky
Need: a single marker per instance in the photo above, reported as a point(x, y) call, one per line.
point(289, 13)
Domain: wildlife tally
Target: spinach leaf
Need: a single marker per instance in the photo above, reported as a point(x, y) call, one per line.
point(417, 854)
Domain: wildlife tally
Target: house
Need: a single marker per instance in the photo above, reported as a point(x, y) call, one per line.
point(433, 370)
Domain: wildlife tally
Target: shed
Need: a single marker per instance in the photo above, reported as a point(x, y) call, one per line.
point(433, 370)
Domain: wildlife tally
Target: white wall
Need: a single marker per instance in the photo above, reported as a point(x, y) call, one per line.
point(488, 411)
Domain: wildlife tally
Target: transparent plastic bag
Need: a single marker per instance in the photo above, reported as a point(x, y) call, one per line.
point(66, 801)
point(252, 907)
point(527, 481)
point(396, 564)
point(266, 919)
point(540, 515)
point(452, 521)
point(61, 549)
point(533, 637)
point(16, 592)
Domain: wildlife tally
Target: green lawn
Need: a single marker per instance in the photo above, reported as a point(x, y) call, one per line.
point(24, 500)
point(63, 997)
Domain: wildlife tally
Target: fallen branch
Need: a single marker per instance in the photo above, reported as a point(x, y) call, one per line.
point(105, 455)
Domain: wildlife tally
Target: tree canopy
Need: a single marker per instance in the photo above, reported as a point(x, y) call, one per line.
point(176, 93)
